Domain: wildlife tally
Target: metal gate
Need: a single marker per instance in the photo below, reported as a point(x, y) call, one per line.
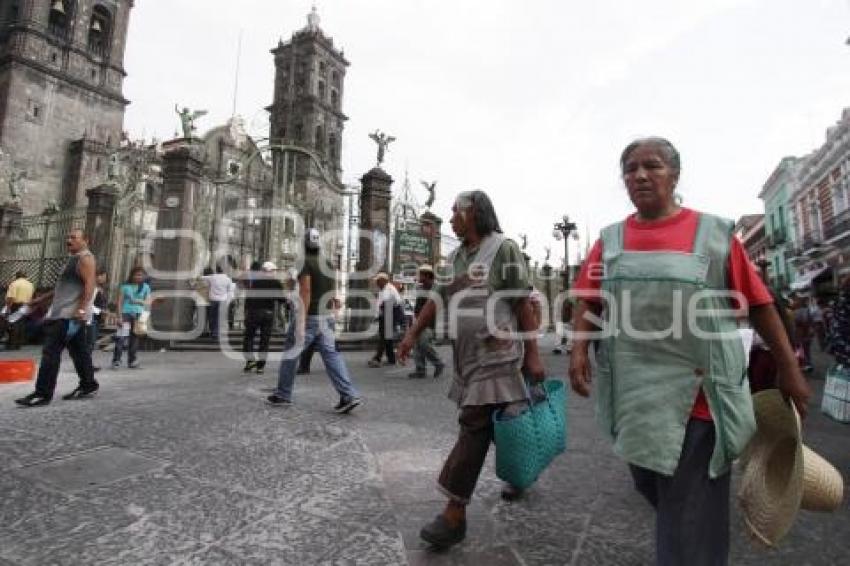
point(37, 246)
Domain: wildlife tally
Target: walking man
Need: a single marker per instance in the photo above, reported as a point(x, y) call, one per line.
point(18, 294)
point(313, 325)
point(424, 350)
point(489, 355)
point(263, 291)
point(64, 325)
point(389, 318)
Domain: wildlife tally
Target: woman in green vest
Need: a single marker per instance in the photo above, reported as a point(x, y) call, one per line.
point(671, 284)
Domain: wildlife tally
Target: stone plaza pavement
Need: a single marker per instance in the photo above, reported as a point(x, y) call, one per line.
point(182, 462)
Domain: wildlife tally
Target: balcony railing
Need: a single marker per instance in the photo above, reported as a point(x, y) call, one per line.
point(811, 240)
point(837, 225)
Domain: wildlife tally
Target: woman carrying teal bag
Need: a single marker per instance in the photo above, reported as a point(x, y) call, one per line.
point(494, 336)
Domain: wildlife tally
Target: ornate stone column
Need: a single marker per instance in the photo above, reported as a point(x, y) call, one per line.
point(374, 242)
point(182, 171)
point(432, 226)
point(99, 215)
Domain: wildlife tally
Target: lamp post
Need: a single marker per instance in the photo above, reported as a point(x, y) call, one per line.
point(563, 230)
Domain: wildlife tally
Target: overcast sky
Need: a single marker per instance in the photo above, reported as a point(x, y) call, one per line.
point(530, 101)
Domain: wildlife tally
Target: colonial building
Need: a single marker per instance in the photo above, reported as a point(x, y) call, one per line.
point(776, 194)
point(61, 94)
point(750, 230)
point(821, 211)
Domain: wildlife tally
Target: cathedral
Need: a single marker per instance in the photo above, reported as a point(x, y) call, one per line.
point(64, 149)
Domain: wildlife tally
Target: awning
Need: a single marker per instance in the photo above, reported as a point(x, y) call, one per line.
point(806, 279)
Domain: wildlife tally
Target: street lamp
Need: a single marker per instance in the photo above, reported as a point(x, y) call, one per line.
point(563, 230)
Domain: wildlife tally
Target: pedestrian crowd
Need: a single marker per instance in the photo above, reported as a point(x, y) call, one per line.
point(677, 406)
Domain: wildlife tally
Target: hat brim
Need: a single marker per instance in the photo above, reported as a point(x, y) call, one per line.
point(771, 486)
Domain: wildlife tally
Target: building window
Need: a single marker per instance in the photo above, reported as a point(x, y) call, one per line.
point(323, 68)
point(841, 190)
point(334, 99)
point(320, 139)
point(100, 30)
point(321, 90)
point(59, 19)
point(335, 79)
point(34, 111)
point(814, 218)
point(299, 132)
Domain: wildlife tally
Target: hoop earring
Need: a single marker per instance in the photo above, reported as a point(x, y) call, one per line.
point(677, 198)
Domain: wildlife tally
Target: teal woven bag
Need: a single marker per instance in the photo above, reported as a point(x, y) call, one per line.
point(527, 443)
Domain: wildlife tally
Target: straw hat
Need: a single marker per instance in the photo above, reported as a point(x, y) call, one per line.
point(425, 268)
point(382, 277)
point(780, 475)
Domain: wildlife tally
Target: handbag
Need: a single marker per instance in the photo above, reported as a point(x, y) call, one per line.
point(527, 443)
point(140, 326)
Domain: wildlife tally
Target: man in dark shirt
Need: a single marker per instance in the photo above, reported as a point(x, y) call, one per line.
point(262, 292)
point(424, 351)
point(313, 326)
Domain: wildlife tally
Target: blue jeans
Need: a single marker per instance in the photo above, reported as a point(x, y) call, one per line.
point(319, 334)
point(129, 343)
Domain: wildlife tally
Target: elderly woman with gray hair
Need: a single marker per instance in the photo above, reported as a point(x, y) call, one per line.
point(490, 356)
point(671, 376)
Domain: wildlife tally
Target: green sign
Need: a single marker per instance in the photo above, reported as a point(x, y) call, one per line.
point(412, 248)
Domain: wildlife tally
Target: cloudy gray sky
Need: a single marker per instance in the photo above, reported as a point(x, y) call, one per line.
point(530, 101)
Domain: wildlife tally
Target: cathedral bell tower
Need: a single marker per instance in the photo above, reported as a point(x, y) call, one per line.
point(307, 112)
point(61, 93)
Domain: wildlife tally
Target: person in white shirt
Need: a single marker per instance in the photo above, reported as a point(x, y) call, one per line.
point(220, 286)
point(389, 319)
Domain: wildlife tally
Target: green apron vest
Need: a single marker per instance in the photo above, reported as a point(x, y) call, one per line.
point(487, 366)
point(657, 357)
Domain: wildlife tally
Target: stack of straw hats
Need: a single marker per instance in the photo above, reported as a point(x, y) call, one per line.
point(780, 474)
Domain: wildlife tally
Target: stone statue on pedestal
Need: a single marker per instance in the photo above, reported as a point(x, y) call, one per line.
point(187, 120)
point(16, 187)
point(431, 188)
point(383, 140)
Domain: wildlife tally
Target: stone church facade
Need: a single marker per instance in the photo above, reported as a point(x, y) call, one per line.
point(61, 94)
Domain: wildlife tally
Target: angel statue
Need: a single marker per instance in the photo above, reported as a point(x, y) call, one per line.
point(187, 120)
point(430, 187)
point(548, 253)
point(383, 140)
point(524, 239)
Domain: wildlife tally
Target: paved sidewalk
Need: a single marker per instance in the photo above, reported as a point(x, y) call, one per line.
point(182, 463)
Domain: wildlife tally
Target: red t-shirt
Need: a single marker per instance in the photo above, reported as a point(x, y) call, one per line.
point(676, 234)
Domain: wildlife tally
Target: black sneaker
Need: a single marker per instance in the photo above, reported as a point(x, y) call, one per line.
point(346, 405)
point(418, 374)
point(261, 370)
point(33, 400)
point(135, 365)
point(438, 370)
point(81, 393)
point(249, 366)
point(278, 401)
point(442, 535)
